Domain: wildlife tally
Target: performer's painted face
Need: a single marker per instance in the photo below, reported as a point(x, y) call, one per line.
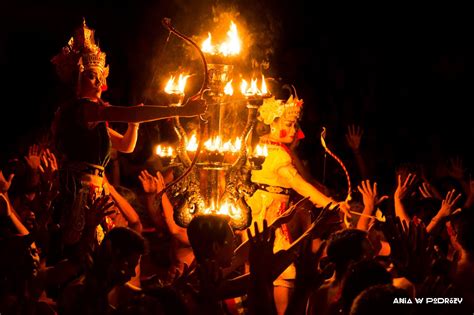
point(283, 130)
point(92, 83)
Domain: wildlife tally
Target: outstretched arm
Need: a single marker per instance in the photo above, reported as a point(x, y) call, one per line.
point(142, 113)
point(302, 187)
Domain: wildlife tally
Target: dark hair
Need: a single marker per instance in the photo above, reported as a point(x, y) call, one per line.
point(360, 276)
point(345, 246)
point(124, 242)
point(379, 299)
point(205, 230)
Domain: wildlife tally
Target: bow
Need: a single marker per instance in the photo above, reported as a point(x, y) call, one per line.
point(348, 178)
point(167, 23)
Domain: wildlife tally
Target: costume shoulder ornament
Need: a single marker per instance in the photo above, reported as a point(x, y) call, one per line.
point(272, 109)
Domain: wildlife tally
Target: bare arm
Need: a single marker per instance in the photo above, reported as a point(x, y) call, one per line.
point(400, 193)
point(302, 187)
point(7, 210)
point(142, 113)
point(125, 143)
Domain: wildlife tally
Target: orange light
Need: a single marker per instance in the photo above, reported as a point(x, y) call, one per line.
point(261, 150)
point(228, 90)
point(253, 89)
point(226, 208)
point(216, 144)
point(173, 87)
point(192, 145)
point(230, 47)
point(164, 151)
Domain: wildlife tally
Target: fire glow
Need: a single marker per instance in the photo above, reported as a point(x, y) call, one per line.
point(261, 150)
point(230, 47)
point(228, 89)
point(215, 145)
point(227, 209)
point(253, 89)
point(164, 151)
point(173, 87)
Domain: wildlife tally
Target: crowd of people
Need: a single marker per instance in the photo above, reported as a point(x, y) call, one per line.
point(75, 238)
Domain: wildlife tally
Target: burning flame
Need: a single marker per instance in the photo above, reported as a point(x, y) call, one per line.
point(165, 151)
point(178, 87)
point(216, 144)
point(228, 90)
point(261, 151)
point(226, 208)
point(231, 46)
point(192, 145)
point(253, 89)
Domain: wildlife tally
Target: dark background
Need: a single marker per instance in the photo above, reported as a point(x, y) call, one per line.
point(405, 75)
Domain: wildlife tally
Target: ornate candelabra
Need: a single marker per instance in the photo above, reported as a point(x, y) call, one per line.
point(219, 180)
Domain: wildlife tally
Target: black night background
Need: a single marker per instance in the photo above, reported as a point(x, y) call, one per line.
point(405, 76)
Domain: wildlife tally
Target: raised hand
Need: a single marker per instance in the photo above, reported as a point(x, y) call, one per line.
point(150, 183)
point(33, 159)
point(353, 136)
point(5, 183)
point(369, 194)
point(404, 188)
point(411, 248)
point(98, 209)
point(261, 251)
point(48, 166)
point(447, 205)
point(456, 169)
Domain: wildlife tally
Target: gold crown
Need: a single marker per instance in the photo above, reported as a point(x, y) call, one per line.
point(272, 109)
point(81, 53)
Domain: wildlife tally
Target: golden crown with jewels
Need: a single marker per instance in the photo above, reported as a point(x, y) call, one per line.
point(273, 109)
point(81, 53)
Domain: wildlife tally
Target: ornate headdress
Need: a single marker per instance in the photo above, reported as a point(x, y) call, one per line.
point(81, 53)
point(272, 109)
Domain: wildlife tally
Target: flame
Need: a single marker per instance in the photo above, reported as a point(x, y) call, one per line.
point(243, 86)
point(216, 144)
point(264, 86)
point(176, 88)
point(231, 46)
point(163, 152)
point(253, 89)
point(207, 44)
point(228, 90)
point(226, 208)
point(192, 145)
point(261, 151)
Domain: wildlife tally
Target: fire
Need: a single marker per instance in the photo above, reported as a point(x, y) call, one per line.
point(216, 144)
point(261, 151)
point(253, 89)
point(164, 151)
point(192, 145)
point(226, 208)
point(228, 90)
point(230, 47)
point(173, 87)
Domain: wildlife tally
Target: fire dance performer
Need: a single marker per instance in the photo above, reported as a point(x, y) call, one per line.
point(277, 129)
point(83, 137)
